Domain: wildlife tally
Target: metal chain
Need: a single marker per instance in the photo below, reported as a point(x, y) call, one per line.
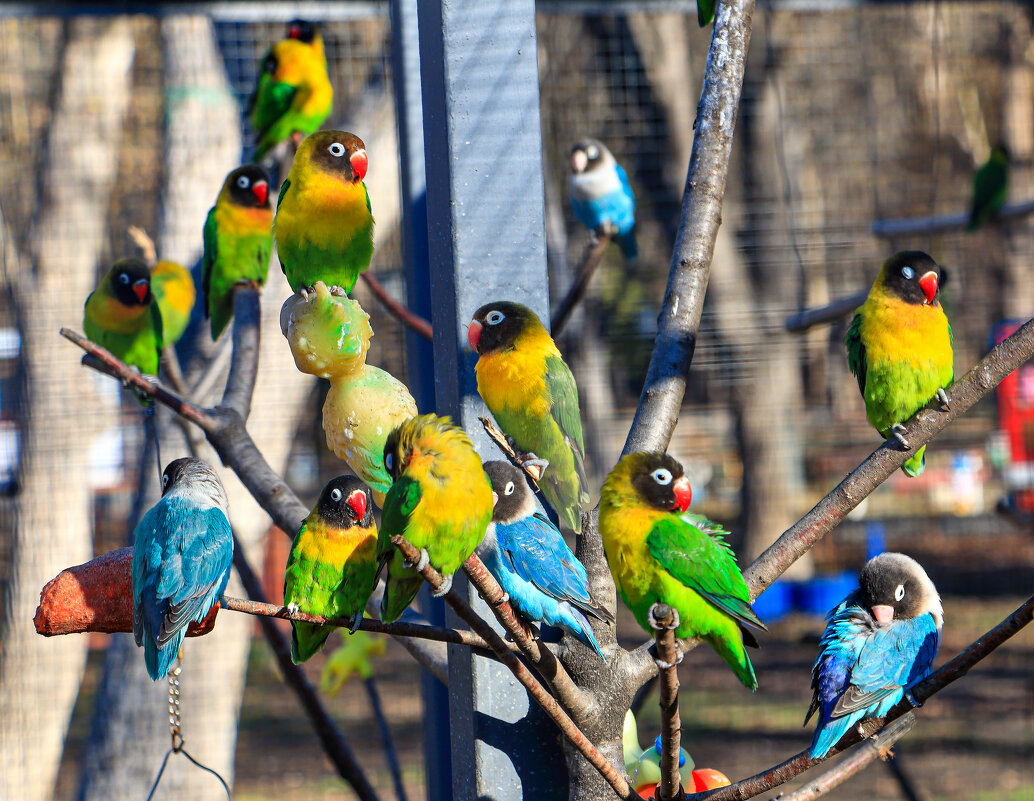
point(174, 704)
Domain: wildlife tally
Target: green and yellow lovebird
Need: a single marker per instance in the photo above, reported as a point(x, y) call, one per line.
point(293, 96)
point(899, 347)
point(441, 501)
point(990, 188)
point(238, 242)
point(659, 553)
point(121, 315)
point(532, 395)
point(333, 565)
point(175, 294)
point(323, 226)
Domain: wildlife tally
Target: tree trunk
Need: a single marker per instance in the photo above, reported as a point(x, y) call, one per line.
point(50, 521)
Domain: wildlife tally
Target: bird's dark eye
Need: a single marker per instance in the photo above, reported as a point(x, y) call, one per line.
point(662, 476)
point(494, 317)
point(907, 273)
point(123, 278)
point(592, 152)
point(165, 480)
point(243, 182)
point(337, 150)
point(899, 593)
point(508, 490)
point(335, 495)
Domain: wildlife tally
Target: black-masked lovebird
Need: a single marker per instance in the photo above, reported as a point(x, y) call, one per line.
point(658, 553)
point(324, 227)
point(332, 567)
point(531, 393)
point(175, 294)
point(879, 642)
point(532, 563)
point(990, 188)
point(182, 555)
point(440, 501)
point(601, 193)
point(238, 242)
point(899, 347)
point(121, 315)
point(293, 95)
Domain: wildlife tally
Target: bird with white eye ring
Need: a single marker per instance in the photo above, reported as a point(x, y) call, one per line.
point(601, 196)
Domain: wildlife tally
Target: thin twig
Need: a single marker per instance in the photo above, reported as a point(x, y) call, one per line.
point(548, 703)
point(396, 309)
point(247, 326)
point(667, 621)
point(806, 318)
point(591, 258)
point(389, 747)
point(876, 747)
point(925, 225)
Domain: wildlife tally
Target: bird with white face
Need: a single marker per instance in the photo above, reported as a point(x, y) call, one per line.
point(880, 641)
point(601, 193)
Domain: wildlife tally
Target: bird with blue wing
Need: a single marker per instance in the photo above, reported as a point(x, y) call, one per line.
point(529, 558)
point(182, 556)
point(601, 193)
point(879, 642)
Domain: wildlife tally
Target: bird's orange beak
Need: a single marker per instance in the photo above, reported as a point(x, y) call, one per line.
point(140, 288)
point(357, 503)
point(474, 334)
point(883, 613)
point(260, 189)
point(495, 499)
point(683, 493)
point(360, 163)
point(928, 283)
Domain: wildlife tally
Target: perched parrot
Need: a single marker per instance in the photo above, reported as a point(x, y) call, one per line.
point(531, 393)
point(238, 242)
point(440, 501)
point(879, 642)
point(324, 227)
point(532, 563)
point(121, 315)
point(332, 568)
point(174, 292)
point(352, 658)
point(660, 554)
point(899, 347)
point(990, 187)
point(293, 94)
point(601, 193)
point(181, 561)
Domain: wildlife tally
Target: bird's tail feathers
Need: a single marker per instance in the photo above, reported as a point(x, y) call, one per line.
point(582, 631)
point(915, 465)
point(628, 245)
point(159, 661)
point(306, 640)
point(398, 595)
point(828, 735)
point(732, 651)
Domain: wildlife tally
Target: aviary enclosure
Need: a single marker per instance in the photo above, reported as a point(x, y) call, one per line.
point(778, 157)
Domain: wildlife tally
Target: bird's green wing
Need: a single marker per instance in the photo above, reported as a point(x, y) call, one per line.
point(271, 101)
point(283, 191)
point(703, 562)
point(399, 504)
point(705, 12)
point(564, 393)
point(208, 256)
point(856, 352)
point(159, 330)
point(990, 185)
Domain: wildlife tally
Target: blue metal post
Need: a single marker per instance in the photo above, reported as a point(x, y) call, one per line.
point(486, 241)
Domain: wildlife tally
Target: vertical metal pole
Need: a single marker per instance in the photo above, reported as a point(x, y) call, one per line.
point(405, 58)
point(486, 241)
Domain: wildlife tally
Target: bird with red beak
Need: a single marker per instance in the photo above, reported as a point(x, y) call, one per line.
point(899, 347)
point(880, 641)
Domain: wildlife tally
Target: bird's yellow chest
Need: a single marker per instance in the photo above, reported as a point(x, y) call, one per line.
point(336, 546)
point(323, 210)
point(515, 379)
point(239, 221)
point(897, 332)
point(116, 317)
point(624, 531)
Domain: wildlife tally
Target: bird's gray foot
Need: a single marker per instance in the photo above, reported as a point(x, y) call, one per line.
point(943, 396)
point(292, 608)
point(898, 431)
point(911, 699)
point(657, 625)
point(662, 665)
point(505, 599)
point(444, 588)
point(305, 291)
point(534, 465)
point(338, 292)
point(421, 562)
point(356, 620)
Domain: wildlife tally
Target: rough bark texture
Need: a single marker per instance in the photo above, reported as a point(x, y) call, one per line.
point(51, 513)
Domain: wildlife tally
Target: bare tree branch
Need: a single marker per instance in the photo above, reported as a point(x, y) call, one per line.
point(667, 621)
point(247, 324)
point(591, 258)
point(876, 747)
point(806, 318)
point(679, 321)
point(929, 225)
point(397, 309)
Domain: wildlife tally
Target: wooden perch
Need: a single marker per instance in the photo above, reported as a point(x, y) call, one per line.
point(806, 318)
point(591, 258)
point(950, 222)
point(664, 620)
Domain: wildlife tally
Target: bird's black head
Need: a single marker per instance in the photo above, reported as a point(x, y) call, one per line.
point(513, 497)
point(339, 153)
point(660, 481)
point(589, 154)
point(345, 502)
point(912, 276)
point(131, 282)
point(302, 30)
point(894, 586)
point(270, 63)
point(496, 326)
point(248, 186)
point(195, 474)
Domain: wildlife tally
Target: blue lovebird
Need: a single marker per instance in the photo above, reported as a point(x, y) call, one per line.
point(532, 563)
point(880, 641)
point(601, 193)
point(181, 561)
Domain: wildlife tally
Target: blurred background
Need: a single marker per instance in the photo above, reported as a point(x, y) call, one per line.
point(851, 114)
